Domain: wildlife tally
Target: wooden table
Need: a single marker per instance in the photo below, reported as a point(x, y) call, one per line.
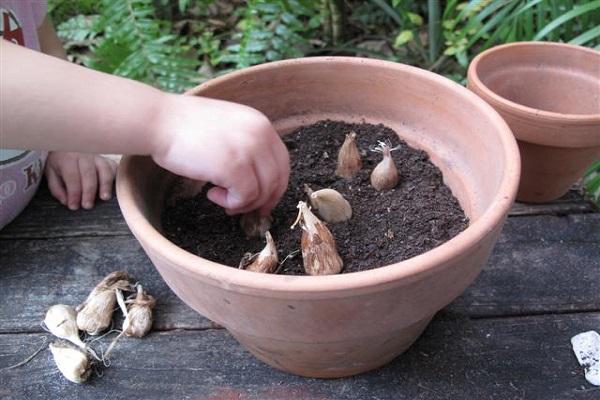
point(507, 337)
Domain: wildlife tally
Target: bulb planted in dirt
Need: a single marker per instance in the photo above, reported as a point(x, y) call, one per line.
point(319, 253)
point(385, 174)
point(266, 261)
point(255, 225)
point(332, 206)
point(349, 162)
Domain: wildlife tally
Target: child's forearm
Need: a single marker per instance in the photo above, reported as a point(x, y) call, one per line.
point(51, 104)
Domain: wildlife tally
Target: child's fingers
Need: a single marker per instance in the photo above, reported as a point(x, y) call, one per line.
point(106, 175)
point(237, 198)
point(56, 186)
point(89, 180)
point(275, 197)
point(265, 169)
point(282, 160)
point(72, 179)
point(238, 189)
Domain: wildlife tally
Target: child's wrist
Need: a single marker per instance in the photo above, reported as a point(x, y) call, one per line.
point(160, 139)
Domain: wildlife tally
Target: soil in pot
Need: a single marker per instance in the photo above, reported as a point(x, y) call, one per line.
point(386, 227)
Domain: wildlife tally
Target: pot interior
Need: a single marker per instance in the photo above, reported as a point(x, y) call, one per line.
point(461, 135)
point(554, 78)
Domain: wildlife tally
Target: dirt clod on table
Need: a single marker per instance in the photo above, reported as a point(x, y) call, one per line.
point(386, 227)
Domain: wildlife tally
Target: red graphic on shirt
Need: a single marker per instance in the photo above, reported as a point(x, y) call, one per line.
point(10, 27)
point(32, 172)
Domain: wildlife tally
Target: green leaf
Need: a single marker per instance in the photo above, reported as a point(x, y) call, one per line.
point(403, 38)
point(450, 51)
point(575, 12)
point(586, 36)
point(183, 5)
point(389, 11)
point(416, 19)
point(79, 28)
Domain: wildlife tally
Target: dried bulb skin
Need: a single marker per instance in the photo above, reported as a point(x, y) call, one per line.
point(61, 321)
point(138, 320)
point(267, 260)
point(73, 363)
point(184, 188)
point(254, 225)
point(385, 174)
point(95, 313)
point(319, 253)
point(332, 206)
point(349, 162)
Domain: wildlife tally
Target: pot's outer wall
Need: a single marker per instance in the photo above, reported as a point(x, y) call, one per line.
point(549, 94)
point(345, 324)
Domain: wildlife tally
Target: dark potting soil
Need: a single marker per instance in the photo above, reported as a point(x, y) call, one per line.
point(386, 227)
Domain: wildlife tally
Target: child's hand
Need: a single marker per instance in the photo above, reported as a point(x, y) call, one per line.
point(230, 145)
point(74, 179)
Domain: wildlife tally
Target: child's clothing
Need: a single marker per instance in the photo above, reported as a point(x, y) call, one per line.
point(20, 170)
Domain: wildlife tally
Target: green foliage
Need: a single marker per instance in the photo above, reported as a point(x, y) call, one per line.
point(127, 39)
point(165, 42)
point(62, 10)
point(272, 30)
point(592, 182)
point(459, 30)
point(477, 25)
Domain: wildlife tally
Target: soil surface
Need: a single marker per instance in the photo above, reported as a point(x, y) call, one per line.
point(386, 227)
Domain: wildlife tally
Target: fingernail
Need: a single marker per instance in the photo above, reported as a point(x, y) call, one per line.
point(73, 207)
point(105, 196)
point(87, 205)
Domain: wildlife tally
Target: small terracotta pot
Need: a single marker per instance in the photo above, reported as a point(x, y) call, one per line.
point(549, 94)
point(333, 326)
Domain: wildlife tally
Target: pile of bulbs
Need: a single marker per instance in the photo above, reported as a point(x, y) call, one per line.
point(319, 252)
point(93, 316)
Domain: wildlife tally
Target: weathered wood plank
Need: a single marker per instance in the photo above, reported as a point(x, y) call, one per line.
point(573, 202)
point(579, 207)
point(540, 265)
point(36, 274)
point(508, 358)
point(46, 218)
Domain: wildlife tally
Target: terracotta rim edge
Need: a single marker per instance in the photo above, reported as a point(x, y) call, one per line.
point(412, 267)
point(520, 109)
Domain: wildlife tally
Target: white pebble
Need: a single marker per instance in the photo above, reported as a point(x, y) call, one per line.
point(586, 346)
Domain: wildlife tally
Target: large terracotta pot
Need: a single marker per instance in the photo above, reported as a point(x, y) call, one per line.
point(549, 94)
point(333, 326)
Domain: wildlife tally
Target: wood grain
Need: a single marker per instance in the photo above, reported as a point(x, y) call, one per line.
point(507, 358)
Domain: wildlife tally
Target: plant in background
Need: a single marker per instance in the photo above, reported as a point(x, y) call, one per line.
point(272, 30)
point(469, 28)
point(592, 181)
point(456, 31)
point(126, 38)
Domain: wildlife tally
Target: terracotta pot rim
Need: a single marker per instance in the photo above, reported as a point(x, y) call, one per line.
point(520, 109)
point(232, 278)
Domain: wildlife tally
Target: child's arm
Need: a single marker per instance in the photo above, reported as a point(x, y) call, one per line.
point(53, 105)
point(74, 178)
